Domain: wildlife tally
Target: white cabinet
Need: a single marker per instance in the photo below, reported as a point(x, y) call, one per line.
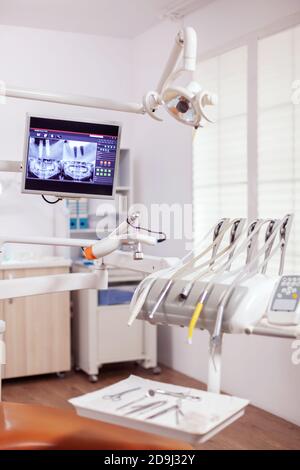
point(101, 334)
point(116, 340)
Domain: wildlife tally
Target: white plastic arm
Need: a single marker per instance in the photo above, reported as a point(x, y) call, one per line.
point(190, 49)
point(109, 244)
point(76, 100)
point(172, 61)
point(186, 43)
point(52, 241)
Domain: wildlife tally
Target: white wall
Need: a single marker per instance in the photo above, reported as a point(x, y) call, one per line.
point(257, 368)
point(55, 62)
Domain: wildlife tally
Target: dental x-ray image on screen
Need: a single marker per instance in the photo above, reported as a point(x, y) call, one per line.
point(61, 159)
point(70, 158)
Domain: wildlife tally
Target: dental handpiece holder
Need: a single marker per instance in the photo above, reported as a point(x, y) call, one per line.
point(243, 300)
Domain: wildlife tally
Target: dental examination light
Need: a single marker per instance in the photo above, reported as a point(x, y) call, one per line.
point(186, 104)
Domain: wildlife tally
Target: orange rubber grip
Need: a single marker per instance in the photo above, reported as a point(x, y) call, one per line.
point(88, 253)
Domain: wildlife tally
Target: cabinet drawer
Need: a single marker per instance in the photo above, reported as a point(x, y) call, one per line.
point(117, 341)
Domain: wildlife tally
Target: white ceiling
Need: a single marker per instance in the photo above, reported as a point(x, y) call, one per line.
point(119, 18)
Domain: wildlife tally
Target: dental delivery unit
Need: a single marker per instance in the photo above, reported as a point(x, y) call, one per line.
point(222, 286)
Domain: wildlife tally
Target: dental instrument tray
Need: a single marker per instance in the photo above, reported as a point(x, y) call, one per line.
point(173, 411)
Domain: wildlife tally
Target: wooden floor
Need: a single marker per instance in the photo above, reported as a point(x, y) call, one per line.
point(256, 430)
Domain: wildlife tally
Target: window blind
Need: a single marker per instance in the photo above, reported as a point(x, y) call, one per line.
point(279, 134)
point(220, 150)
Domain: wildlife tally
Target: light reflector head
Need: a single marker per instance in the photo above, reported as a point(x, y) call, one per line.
point(180, 103)
point(187, 104)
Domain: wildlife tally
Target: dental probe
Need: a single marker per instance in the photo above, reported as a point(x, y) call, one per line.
point(132, 402)
point(166, 410)
point(141, 409)
point(181, 395)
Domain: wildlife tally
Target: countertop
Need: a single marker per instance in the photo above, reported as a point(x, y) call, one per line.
point(115, 275)
point(49, 262)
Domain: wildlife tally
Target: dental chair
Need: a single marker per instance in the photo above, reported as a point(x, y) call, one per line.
point(35, 427)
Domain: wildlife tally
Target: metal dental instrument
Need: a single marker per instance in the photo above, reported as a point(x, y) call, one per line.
point(181, 395)
point(217, 239)
point(228, 250)
point(137, 400)
point(235, 235)
point(284, 236)
point(163, 293)
point(252, 246)
point(236, 231)
point(118, 396)
point(269, 232)
point(143, 289)
point(149, 406)
point(167, 410)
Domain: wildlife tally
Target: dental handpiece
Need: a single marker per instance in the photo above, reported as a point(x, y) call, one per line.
point(236, 231)
point(200, 305)
point(218, 235)
point(217, 239)
point(245, 273)
point(269, 232)
point(252, 245)
point(235, 234)
point(284, 235)
point(144, 287)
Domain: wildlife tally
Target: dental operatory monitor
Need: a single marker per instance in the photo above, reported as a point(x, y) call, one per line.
point(71, 158)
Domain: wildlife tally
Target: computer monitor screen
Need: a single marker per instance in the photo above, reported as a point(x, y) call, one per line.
point(71, 158)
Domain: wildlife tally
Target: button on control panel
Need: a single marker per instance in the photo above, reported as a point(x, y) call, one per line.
point(284, 306)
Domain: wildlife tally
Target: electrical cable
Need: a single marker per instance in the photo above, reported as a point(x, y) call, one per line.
point(138, 227)
point(51, 202)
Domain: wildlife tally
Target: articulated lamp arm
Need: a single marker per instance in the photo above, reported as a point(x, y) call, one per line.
point(192, 99)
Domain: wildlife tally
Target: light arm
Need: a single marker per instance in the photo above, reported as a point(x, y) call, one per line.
point(172, 61)
point(186, 43)
point(76, 100)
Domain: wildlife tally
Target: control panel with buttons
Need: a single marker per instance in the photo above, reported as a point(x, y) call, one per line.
point(284, 308)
